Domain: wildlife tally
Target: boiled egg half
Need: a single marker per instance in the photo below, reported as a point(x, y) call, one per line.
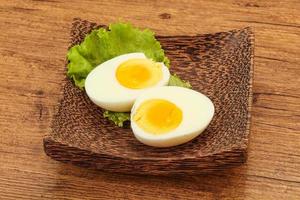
point(169, 115)
point(115, 84)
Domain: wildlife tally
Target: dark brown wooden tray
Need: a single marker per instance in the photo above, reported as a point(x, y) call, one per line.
point(219, 65)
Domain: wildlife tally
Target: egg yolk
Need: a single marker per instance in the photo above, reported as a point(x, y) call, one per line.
point(158, 116)
point(139, 73)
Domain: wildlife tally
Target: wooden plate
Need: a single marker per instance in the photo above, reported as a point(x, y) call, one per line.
point(219, 65)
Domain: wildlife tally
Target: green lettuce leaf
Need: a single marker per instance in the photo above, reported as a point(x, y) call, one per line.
point(101, 45)
point(176, 81)
point(117, 117)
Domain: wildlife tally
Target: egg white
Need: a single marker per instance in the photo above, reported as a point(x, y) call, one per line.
point(197, 110)
point(103, 88)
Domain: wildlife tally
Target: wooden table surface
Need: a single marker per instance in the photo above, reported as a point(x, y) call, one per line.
point(34, 37)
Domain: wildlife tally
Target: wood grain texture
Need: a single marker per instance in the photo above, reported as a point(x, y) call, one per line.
point(31, 56)
point(220, 65)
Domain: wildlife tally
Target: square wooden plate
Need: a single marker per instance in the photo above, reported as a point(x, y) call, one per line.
point(219, 65)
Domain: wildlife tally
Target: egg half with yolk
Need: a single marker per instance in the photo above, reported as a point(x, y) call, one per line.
point(170, 115)
point(115, 84)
